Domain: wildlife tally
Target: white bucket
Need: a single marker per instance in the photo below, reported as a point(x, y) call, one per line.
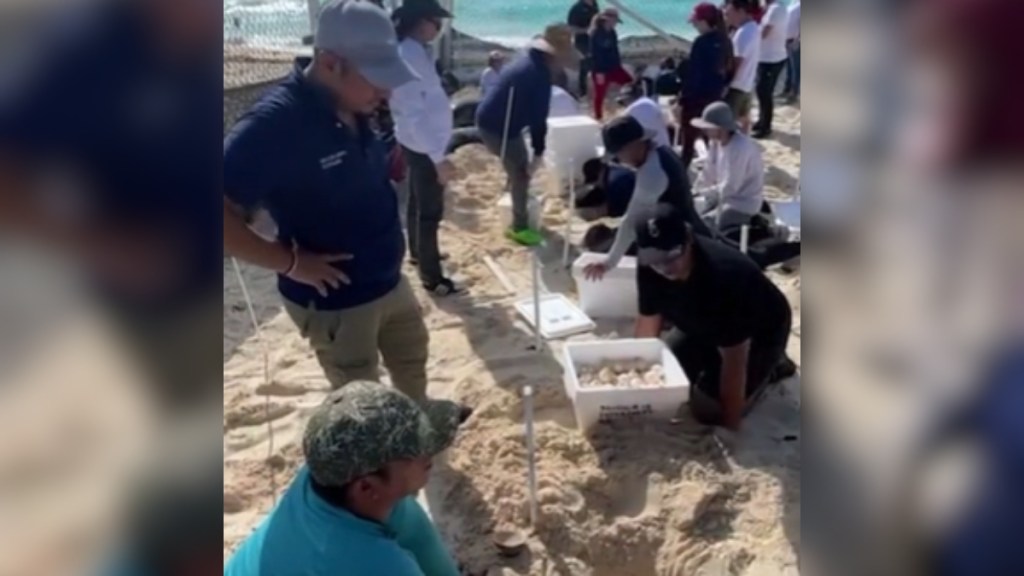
point(593, 405)
point(614, 296)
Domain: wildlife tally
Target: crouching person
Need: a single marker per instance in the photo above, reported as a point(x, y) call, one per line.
point(607, 190)
point(352, 508)
point(732, 324)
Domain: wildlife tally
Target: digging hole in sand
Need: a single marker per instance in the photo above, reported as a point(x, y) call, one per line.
point(627, 498)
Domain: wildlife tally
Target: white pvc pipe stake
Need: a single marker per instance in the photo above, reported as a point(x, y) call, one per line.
point(744, 238)
point(531, 460)
point(535, 265)
point(508, 121)
point(572, 208)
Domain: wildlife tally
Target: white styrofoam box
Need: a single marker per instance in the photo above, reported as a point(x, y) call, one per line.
point(615, 295)
point(565, 170)
point(505, 210)
point(604, 403)
point(573, 137)
point(788, 214)
point(559, 317)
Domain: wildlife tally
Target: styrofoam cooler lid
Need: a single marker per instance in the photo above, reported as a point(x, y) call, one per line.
point(559, 316)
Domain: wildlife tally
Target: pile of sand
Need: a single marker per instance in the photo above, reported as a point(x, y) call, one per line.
point(644, 499)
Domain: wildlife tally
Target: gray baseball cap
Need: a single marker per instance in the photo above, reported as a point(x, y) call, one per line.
point(364, 425)
point(362, 33)
point(716, 115)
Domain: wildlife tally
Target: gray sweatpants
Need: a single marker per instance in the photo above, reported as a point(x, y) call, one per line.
point(517, 168)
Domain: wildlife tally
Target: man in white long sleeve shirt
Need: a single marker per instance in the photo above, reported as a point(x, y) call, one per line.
point(734, 170)
point(660, 179)
point(423, 127)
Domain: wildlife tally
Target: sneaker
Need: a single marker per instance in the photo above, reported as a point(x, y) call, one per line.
point(443, 287)
point(525, 236)
point(760, 134)
point(786, 368)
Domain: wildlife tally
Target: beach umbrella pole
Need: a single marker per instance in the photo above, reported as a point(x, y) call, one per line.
point(531, 460)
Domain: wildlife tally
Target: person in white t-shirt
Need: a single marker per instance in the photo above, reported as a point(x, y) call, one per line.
point(647, 112)
point(746, 41)
point(770, 66)
point(489, 78)
point(792, 90)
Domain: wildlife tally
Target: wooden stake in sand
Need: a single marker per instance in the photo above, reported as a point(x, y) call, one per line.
point(572, 208)
point(535, 265)
point(500, 275)
point(744, 238)
point(531, 460)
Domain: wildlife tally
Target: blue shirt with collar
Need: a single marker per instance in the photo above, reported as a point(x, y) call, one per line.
point(325, 185)
point(139, 131)
point(306, 536)
point(530, 76)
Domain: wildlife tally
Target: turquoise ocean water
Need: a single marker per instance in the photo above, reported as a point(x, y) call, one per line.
point(285, 22)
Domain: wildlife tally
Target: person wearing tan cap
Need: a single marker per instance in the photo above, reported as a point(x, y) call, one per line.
point(521, 100)
point(606, 61)
point(490, 75)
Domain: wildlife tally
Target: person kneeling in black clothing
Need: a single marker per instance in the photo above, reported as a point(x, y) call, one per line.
point(734, 322)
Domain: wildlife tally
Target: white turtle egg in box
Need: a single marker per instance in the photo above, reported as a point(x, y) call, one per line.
point(633, 373)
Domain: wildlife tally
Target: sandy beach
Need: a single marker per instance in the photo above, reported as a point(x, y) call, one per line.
point(639, 500)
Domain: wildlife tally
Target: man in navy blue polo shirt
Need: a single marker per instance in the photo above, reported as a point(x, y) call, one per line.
point(306, 154)
point(122, 106)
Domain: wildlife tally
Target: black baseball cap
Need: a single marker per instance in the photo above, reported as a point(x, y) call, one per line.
point(661, 235)
point(622, 132)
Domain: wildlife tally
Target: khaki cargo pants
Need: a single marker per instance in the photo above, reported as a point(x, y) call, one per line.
point(349, 343)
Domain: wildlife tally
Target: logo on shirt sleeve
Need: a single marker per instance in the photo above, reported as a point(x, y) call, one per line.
point(333, 160)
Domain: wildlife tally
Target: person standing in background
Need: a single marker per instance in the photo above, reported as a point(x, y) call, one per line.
point(522, 100)
point(605, 58)
point(792, 91)
point(746, 42)
point(489, 78)
point(423, 127)
point(580, 16)
point(772, 62)
point(707, 73)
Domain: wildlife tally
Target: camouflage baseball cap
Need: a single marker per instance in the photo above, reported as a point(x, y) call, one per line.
point(364, 425)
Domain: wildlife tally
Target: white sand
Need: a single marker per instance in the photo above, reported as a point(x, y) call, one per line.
point(647, 499)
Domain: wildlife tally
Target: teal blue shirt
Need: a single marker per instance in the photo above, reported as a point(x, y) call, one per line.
point(306, 536)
